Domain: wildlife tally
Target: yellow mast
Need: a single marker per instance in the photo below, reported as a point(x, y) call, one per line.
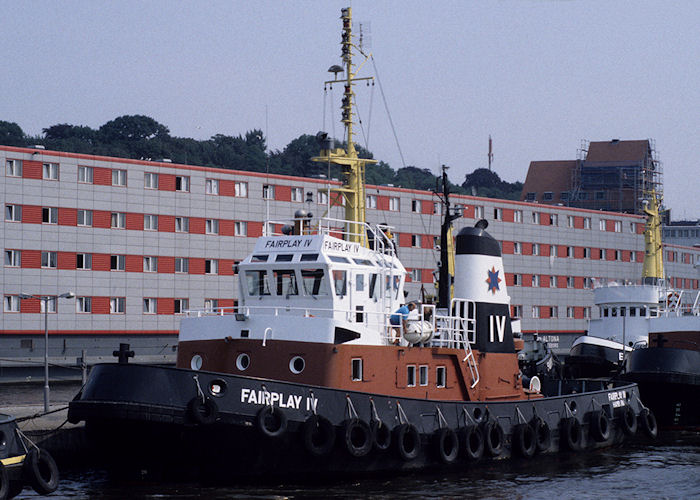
point(653, 268)
point(353, 188)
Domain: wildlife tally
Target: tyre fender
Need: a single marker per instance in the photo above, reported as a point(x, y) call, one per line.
point(4, 482)
point(271, 421)
point(628, 421)
point(357, 437)
point(647, 422)
point(473, 443)
point(408, 442)
point(202, 412)
point(40, 471)
point(524, 441)
point(493, 438)
point(600, 426)
point(381, 435)
point(446, 445)
point(318, 435)
point(543, 434)
point(570, 434)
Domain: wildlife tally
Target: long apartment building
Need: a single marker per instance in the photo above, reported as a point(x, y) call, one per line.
point(140, 242)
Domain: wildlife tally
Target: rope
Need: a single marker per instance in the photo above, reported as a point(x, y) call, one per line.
point(200, 393)
point(441, 418)
point(403, 419)
point(24, 437)
point(467, 416)
point(386, 106)
point(351, 409)
point(41, 414)
point(51, 431)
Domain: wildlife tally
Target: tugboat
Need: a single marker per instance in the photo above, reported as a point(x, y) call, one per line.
point(316, 372)
point(21, 464)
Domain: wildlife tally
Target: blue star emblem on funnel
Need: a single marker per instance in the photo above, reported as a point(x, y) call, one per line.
point(493, 280)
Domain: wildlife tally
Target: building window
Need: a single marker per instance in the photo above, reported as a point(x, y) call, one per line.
point(423, 375)
point(150, 222)
point(356, 375)
point(586, 223)
point(517, 248)
point(415, 240)
point(416, 275)
point(211, 186)
point(411, 376)
point(150, 264)
point(632, 227)
point(85, 218)
point(587, 282)
point(618, 226)
point(13, 258)
point(83, 261)
point(50, 171)
point(586, 253)
point(535, 217)
point(547, 196)
point(85, 175)
point(182, 224)
point(268, 192)
point(13, 213)
point(322, 198)
point(12, 303)
point(118, 177)
point(394, 204)
point(117, 262)
point(211, 266)
point(517, 311)
point(240, 228)
point(182, 265)
point(618, 254)
point(518, 216)
point(240, 189)
point(535, 249)
point(535, 311)
point(554, 312)
point(182, 183)
point(181, 305)
point(440, 376)
point(212, 226)
point(564, 196)
point(118, 220)
point(587, 312)
point(535, 280)
point(49, 260)
point(570, 221)
point(517, 280)
point(49, 305)
point(150, 180)
point(149, 306)
point(211, 304)
point(601, 253)
point(478, 212)
point(371, 201)
point(601, 224)
point(498, 214)
point(13, 168)
point(570, 252)
point(633, 256)
point(531, 196)
point(552, 282)
point(117, 305)
point(569, 312)
point(553, 219)
point(569, 282)
point(83, 304)
point(415, 206)
point(297, 194)
point(49, 215)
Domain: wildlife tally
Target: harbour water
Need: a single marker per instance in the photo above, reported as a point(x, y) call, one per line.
point(666, 468)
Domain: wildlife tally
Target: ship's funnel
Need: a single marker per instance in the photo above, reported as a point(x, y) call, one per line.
point(479, 277)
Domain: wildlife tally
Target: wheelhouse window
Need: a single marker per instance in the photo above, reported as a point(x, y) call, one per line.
point(356, 370)
point(423, 375)
point(312, 281)
point(285, 282)
point(411, 376)
point(340, 282)
point(440, 376)
point(257, 283)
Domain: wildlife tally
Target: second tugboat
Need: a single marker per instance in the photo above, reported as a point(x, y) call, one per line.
point(317, 372)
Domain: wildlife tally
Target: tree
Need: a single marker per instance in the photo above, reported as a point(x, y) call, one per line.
point(132, 128)
point(11, 134)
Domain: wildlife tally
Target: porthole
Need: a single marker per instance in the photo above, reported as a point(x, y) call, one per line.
point(573, 407)
point(196, 363)
point(217, 388)
point(242, 361)
point(297, 365)
point(478, 414)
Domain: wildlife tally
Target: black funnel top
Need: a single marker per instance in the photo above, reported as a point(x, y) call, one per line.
point(476, 241)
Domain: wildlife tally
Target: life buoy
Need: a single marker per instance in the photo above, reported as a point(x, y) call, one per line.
point(318, 435)
point(446, 445)
point(41, 471)
point(493, 438)
point(647, 422)
point(570, 434)
point(381, 435)
point(473, 441)
point(407, 440)
point(628, 421)
point(543, 434)
point(524, 441)
point(271, 421)
point(600, 425)
point(358, 437)
point(202, 411)
point(4, 482)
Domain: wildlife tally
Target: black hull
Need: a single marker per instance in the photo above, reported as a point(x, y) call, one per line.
point(669, 381)
point(593, 361)
point(138, 418)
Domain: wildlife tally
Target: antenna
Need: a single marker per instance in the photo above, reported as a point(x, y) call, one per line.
point(490, 152)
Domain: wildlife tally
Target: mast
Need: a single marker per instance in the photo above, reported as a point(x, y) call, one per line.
point(353, 168)
point(653, 268)
point(447, 254)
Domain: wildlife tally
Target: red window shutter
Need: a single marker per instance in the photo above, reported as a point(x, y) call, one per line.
point(166, 182)
point(226, 267)
point(102, 177)
point(196, 225)
point(67, 216)
point(101, 262)
point(196, 266)
point(133, 263)
point(100, 305)
point(255, 229)
point(134, 221)
point(165, 305)
point(227, 188)
point(31, 170)
point(66, 260)
point(166, 265)
point(166, 223)
point(31, 259)
point(508, 215)
point(101, 219)
point(283, 193)
point(31, 214)
point(226, 227)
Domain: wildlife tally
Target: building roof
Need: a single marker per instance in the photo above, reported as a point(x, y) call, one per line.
point(617, 150)
point(543, 176)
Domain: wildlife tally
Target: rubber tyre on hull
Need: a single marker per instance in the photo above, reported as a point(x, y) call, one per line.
point(446, 445)
point(628, 421)
point(381, 435)
point(407, 440)
point(524, 440)
point(318, 435)
point(202, 412)
point(473, 443)
point(543, 434)
point(271, 421)
point(570, 434)
point(357, 437)
point(600, 426)
point(647, 423)
point(40, 471)
point(493, 438)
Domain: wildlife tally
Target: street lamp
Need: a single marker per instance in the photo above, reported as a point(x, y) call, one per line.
point(45, 299)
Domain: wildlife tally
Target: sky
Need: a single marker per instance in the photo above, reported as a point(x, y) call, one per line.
point(538, 76)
